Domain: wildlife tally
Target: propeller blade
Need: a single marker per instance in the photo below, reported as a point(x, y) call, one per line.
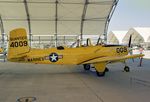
point(129, 45)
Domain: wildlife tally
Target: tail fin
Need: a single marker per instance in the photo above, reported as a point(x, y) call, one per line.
point(18, 43)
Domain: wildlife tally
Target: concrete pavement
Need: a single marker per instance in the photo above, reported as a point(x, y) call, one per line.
point(52, 83)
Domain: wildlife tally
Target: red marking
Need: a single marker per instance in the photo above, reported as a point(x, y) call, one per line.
point(60, 56)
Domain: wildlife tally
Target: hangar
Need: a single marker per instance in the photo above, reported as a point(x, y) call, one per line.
point(115, 37)
point(140, 35)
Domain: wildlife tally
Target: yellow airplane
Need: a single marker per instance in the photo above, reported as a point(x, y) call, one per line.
point(98, 55)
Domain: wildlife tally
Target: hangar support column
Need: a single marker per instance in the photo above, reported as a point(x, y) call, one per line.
point(56, 19)
point(2, 31)
point(83, 18)
point(109, 18)
point(28, 19)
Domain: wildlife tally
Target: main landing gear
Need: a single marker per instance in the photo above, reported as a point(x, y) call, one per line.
point(87, 66)
point(106, 69)
point(101, 74)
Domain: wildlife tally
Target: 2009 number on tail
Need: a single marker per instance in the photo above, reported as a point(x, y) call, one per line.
point(19, 44)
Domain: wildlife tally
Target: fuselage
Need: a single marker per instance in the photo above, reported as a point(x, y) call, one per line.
point(72, 55)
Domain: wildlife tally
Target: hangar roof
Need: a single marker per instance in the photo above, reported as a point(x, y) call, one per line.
point(57, 16)
point(139, 34)
point(116, 37)
point(144, 32)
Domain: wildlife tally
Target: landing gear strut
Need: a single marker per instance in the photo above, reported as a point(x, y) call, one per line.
point(126, 69)
point(87, 66)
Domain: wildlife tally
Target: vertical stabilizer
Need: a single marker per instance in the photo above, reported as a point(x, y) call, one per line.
point(18, 43)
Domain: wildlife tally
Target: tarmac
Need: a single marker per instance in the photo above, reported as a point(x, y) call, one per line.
point(61, 83)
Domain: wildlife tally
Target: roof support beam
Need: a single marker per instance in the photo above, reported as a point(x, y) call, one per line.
point(83, 18)
point(109, 18)
point(2, 30)
point(61, 2)
point(56, 22)
point(28, 19)
point(40, 19)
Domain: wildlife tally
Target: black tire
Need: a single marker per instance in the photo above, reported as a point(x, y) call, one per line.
point(126, 69)
point(106, 69)
point(100, 74)
point(87, 66)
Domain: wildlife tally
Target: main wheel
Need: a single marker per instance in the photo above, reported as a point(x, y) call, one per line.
point(100, 74)
point(126, 69)
point(106, 69)
point(86, 66)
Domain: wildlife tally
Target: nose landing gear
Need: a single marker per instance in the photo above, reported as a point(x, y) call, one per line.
point(126, 69)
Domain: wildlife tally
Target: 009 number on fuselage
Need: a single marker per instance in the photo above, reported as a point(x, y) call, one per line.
point(19, 44)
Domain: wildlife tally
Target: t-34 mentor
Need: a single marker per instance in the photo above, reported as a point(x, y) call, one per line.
point(98, 55)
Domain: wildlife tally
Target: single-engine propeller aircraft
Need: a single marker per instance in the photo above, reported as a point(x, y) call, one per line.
point(98, 55)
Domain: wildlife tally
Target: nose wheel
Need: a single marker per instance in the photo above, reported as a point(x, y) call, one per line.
point(126, 69)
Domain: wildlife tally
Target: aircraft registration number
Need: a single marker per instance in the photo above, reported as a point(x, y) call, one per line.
point(19, 44)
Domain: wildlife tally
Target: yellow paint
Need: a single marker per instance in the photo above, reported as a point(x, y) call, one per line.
point(100, 67)
point(79, 55)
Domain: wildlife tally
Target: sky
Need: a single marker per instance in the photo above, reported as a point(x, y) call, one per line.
point(130, 13)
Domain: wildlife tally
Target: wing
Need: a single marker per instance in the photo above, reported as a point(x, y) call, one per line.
point(112, 58)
